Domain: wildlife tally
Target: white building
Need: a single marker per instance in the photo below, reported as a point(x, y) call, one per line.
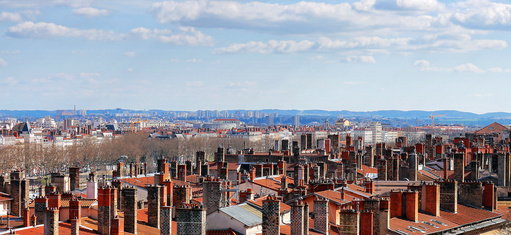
point(377, 132)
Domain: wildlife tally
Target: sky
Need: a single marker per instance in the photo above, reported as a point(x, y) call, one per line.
point(361, 55)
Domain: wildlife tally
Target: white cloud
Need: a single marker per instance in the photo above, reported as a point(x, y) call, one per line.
point(360, 59)
point(467, 67)
point(271, 46)
point(10, 52)
point(30, 29)
point(45, 3)
point(3, 62)
point(195, 84)
point(483, 14)
point(242, 84)
point(91, 12)
point(18, 16)
point(89, 75)
point(422, 5)
point(130, 54)
point(186, 36)
point(130, 70)
point(194, 60)
point(9, 81)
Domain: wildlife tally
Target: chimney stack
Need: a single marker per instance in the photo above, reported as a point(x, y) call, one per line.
point(129, 195)
point(350, 221)
point(297, 218)
point(459, 167)
point(51, 221)
point(490, 198)
point(41, 203)
point(74, 178)
point(191, 219)
point(321, 215)
point(271, 215)
point(449, 198)
point(166, 220)
point(117, 226)
point(154, 203)
point(431, 199)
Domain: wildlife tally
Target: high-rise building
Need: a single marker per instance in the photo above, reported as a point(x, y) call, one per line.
point(296, 121)
point(376, 128)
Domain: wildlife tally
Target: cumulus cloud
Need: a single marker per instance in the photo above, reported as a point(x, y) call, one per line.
point(425, 65)
point(360, 59)
point(91, 12)
point(185, 36)
point(18, 16)
point(30, 29)
point(269, 47)
point(46, 3)
point(3, 62)
point(483, 14)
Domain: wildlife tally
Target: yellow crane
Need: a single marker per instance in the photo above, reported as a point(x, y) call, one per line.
point(432, 116)
point(137, 121)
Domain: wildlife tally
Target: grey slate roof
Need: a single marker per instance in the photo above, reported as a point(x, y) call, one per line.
point(245, 213)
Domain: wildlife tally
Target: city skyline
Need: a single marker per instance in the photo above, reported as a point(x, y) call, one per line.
point(188, 55)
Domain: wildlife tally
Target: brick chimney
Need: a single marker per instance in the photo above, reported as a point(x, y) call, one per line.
point(166, 220)
point(370, 186)
point(366, 219)
point(489, 196)
point(117, 226)
point(191, 219)
point(181, 172)
point(449, 198)
point(246, 195)
point(106, 209)
point(51, 221)
point(349, 222)
point(252, 173)
point(75, 211)
point(74, 178)
point(54, 200)
point(120, 169)
point(154, 203)
point(33, 220)
point(321, 215)
point(26, 217)
point(75, 226)
point(132, 173)
point(412, 205)
point(396, 204)
point(271, 215)
point(431, 199)
point(281, 165)
point(129, 195)
point(169, 186)
point(445, 167)
point(459, 167)
point(40, 205)
point(298, 218)
point(471, 193)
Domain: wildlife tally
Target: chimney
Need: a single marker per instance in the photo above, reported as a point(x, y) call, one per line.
point(188, 164)
point(349, 222)
point(212, 195)
point(106, 209)
point(297, 218)
point(396, 204)
point(489, 196)
point(163, 196)
point(271, 215)
point(321, 215)
point(252, 173)
point(40, 205)
point(182, 195)
point(75, 211)
point(75, 226)
point(145, 168)
point(412, 205)
point(169, 186)
point(281, 165)
point(33, 220)
point(501, 169)
point(117, 226)
point(26, 217)
point(471, 193)
point(120, 169)
point(449, 198)
point(51, 221)
point(459, 167)
point(431, 199)
point(187, 213)
point(129, 200)
point(181, 172)
point(154, 203)
point(223, 173)
point(166, 220)
point(370, 186)
point(205, 169)
point(74, 178)
point(445, 168)
point(54, 200)
point(131, 170)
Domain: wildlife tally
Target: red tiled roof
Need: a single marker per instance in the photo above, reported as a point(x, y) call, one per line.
point(64, 229)
point(468, 215)
point(259, 202)
point(221, 232)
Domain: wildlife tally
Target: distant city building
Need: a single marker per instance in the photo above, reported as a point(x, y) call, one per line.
point(377, 132)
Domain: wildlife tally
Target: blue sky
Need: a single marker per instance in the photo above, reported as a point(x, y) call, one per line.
point(188, 55)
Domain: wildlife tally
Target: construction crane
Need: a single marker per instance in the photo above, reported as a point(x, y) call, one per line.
point(432, 116)
point(137, 121)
